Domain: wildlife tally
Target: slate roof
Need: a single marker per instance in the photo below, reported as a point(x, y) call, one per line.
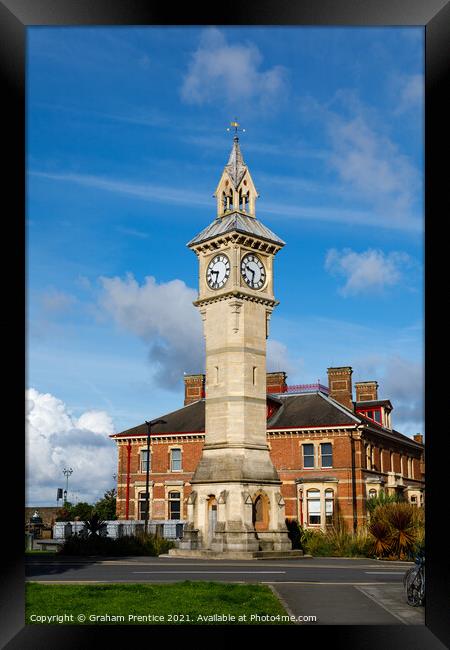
point(373, 402)
point(236, 221)
point(236, 166)
point(308, 410)
point(189, 419)
point(302, 411)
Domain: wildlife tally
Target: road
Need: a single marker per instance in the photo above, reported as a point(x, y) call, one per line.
point(335, 590)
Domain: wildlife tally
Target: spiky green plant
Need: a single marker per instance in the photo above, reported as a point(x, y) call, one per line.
point(381, 533)
point(403, 535)
point(383, 499)
point(95, 525)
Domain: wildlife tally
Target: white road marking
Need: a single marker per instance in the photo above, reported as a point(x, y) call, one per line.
point(214, 572)
point(386, 573)
point(320, 584)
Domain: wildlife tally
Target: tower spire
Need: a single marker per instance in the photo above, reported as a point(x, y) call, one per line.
point(236, 191)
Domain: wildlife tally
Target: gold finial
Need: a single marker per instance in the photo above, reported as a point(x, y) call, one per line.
point(235, 125)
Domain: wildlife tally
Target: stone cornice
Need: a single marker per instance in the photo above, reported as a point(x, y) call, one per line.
point(243, 239)
point(238, 294)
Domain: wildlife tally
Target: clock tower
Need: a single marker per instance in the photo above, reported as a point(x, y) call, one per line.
point(236, 502)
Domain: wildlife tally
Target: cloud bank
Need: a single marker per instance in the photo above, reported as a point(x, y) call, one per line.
point(56, 439)
point(223, 72)
point(163, 316)
point(371, 270)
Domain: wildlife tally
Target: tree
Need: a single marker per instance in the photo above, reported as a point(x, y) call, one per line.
point(69, 512)
point(106, 507)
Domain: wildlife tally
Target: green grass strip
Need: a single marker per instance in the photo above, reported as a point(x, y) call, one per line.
point(181, 603)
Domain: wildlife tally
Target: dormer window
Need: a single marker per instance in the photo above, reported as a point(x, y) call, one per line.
point(374, 415)
point(379, 411)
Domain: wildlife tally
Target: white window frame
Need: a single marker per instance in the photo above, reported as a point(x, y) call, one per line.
point(328, 499)
point(313, 466)
point(141, 461)
point(326, 442)
point(317, 498)
point(171, 450)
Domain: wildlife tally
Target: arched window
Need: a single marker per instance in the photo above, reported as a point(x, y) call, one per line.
point(260, 512)
point(259, 515)
point(313, 505)
point(174, 505)
point(372, 494)
point(329, 506)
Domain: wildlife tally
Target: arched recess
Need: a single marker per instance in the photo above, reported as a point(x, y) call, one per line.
point(260, 511)
point(211, 517)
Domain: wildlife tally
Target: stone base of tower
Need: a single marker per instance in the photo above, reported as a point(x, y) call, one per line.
point(235, 517)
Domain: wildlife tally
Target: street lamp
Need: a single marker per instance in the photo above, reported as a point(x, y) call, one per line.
point(67, 471)
point(147, 474)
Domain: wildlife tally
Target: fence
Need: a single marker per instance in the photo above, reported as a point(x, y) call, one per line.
point(171, 529)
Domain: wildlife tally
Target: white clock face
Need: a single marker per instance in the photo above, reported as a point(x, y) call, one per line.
point(218, 271)
point(253, 271)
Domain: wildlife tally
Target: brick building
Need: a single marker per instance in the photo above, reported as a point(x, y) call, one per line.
point(332, 452)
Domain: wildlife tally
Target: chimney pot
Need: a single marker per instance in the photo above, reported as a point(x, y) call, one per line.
point(340, 385)
point(276, 382)
point(194, 388)
point(366, 391)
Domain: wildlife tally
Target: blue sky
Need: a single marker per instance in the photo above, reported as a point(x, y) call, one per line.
point(126, 140)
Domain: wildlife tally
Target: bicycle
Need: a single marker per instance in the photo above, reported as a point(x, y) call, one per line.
point(414, 581)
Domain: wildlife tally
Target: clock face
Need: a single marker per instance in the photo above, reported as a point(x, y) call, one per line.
point(218, 271)
point(253, 271)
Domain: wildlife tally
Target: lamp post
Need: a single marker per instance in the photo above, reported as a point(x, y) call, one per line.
point(147, 473)
point(67, 471)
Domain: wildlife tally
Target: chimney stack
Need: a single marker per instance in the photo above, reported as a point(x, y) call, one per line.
point(418, 437)
point(194, 388)
point(340, 385)
point(276, 382)
point(366, 391)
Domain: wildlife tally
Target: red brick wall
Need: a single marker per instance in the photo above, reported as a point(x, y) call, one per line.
point(159, 472)
point(285, 451)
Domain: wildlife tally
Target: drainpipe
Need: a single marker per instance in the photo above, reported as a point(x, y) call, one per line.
point(127, 497)
point(354, 502)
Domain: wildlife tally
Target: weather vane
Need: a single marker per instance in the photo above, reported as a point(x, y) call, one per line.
point(235, 125)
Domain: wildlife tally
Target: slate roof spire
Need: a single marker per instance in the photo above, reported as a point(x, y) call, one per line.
point(236, 190)
point(236, 166)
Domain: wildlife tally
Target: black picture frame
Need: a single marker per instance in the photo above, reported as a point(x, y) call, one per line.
point(434, 16)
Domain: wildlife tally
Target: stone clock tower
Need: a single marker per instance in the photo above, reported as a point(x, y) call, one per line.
point(236, 502)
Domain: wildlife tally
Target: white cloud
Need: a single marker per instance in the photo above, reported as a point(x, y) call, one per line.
point(367, 271)
point(409, 93)
point(220, 72)
point(144, 191)
point(56, 301)
point(280, 360)
point(372, 165)
point(56, 439)
point(163, 316)
point(400, 380)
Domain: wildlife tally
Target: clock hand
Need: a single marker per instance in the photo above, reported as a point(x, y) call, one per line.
point(252, 272)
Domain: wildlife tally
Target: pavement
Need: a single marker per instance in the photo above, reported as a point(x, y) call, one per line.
point(327, 591)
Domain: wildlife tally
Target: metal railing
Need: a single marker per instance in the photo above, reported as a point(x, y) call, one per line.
point(169, 529)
